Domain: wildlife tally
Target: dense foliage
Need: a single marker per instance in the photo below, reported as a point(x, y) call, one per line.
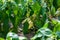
point(40, 16)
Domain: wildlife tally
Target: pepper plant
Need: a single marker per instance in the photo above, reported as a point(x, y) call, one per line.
point(41, 16)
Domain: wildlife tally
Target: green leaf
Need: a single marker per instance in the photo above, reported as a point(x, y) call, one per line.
point(58, 34)
point(42, 33)
point(17, 1)
point(57, 26)
point(58, 3)
point(1, 38)
point(25, 27)
point(38, 23)
point(46, 24)
point(52, 10)
point(45, 32)
point(35, 7)
point(22, 38)
point(12, 36)
point(54, 21)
